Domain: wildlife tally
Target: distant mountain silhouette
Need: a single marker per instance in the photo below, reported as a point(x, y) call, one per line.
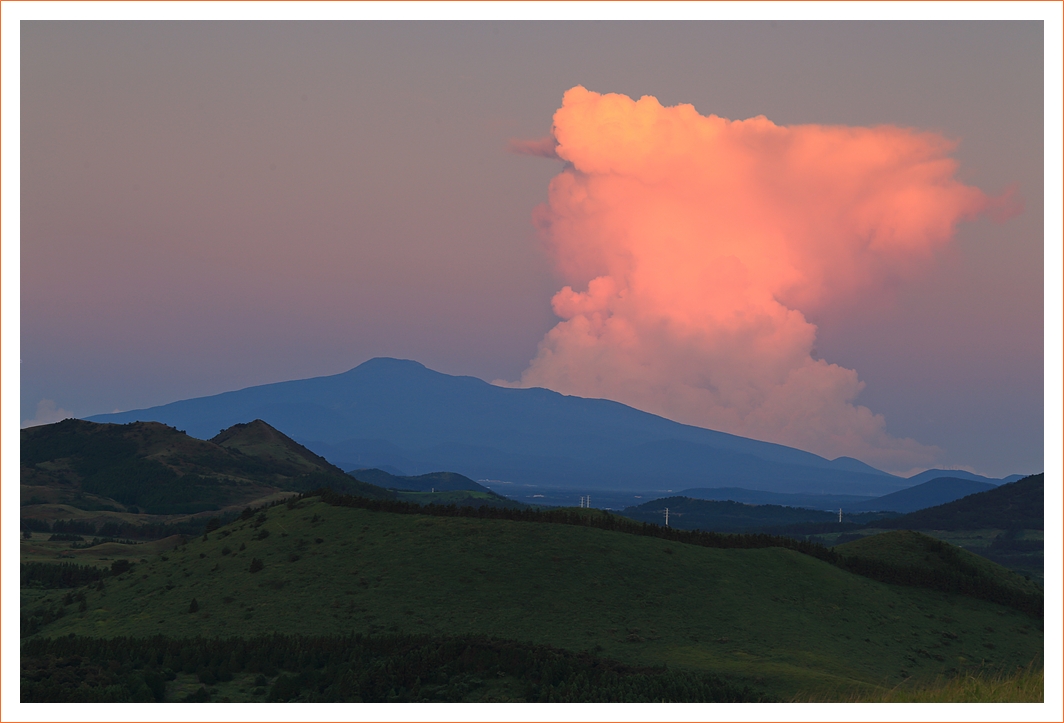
point(929, 494)
point(1016, 505)
point(438, 481)
point(758, 497)
point(928, 475)
point(390, 412)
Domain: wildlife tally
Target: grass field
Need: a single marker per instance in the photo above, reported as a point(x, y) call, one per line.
point(1029, 564)
point(38, 548)
point(1026, 685)
point(57, 511)
point(788, 623)
point(914, 549)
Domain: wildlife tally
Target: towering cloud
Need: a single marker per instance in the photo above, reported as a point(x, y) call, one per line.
point(694, 247)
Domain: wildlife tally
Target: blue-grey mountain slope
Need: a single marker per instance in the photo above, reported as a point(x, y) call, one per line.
point(398, 413)
point(434, 481)
point(929, 494)
point(1017, 505)
point(930, 474)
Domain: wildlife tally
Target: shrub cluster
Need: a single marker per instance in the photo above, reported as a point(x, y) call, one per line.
point(48, 575)
point(122, 530)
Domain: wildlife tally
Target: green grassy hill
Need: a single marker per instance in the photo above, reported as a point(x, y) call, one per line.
point(1005, 524)
point(912, 549)
point(147, 467)
point(909, 557)
point(782, 621)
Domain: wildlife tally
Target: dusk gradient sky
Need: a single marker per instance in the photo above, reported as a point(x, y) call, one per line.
point(207, 206)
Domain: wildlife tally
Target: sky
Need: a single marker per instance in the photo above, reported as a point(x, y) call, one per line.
point(826, 234)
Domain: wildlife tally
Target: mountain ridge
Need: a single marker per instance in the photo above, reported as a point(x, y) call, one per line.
point(442, 481)
point(934, 492)
point(399, 413)
point(1019, 505)
point(161, 470)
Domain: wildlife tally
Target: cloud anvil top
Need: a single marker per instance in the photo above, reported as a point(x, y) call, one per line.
point(699, 245)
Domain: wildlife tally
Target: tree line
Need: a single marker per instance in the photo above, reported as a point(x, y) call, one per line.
point(602, 520)
point(961, 578)
point(45, 575)
point(49, 575)
point(114, 530)
point(352, 668)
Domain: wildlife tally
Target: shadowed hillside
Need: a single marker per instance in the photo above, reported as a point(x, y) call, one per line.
point(155, 469)
point(440, 481)
point(1017, 505)
point(908, 557)
point(927, 494)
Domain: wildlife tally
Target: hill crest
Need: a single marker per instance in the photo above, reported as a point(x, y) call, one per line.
point(155, 468)
point(259, 439)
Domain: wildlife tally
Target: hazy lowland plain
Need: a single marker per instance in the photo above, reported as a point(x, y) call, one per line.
point(161, 567)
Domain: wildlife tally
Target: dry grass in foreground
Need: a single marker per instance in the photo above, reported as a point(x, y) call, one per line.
point(1026, 685)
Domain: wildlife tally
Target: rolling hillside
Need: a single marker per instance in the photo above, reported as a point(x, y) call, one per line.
point(784, 620)
point(398, 413)
point(906, 548)
point(932, 493)
point(1016, 505)
point(1004, 524)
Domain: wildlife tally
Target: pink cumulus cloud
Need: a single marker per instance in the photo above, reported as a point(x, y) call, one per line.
point(694, 247)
